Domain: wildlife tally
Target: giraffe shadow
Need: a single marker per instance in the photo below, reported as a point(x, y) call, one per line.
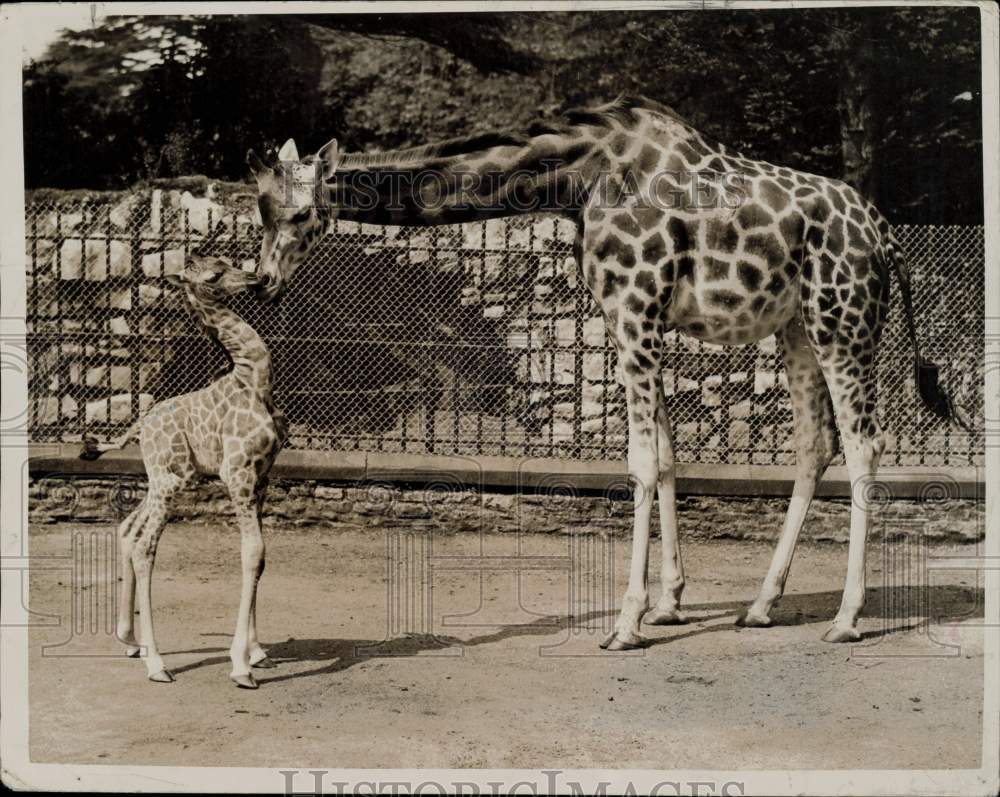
point(901, 609)
point(336, 655)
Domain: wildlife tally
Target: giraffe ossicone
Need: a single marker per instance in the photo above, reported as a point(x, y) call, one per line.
point(230, 429)
point(799, 256)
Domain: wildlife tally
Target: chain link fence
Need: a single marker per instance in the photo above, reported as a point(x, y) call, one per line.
point(474, 339)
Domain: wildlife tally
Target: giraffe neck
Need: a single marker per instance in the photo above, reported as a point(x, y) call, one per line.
point(250, 355)
point(550, 167)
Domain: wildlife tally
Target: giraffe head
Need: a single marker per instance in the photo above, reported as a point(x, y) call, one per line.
point(294, 212)
point(214, 278)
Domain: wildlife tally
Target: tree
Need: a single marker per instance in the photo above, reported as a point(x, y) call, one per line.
point(487, 41)
point(870, 95)
point(145, 97)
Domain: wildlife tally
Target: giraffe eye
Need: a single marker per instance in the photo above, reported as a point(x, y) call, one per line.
point(301, 216)
point(215, 276)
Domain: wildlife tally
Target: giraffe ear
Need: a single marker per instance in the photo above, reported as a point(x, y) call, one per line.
point(288, 152)
point(173, 279)
point(328, 155)
point(257, 166)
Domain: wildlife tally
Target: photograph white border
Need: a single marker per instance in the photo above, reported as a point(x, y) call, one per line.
point(20, 773)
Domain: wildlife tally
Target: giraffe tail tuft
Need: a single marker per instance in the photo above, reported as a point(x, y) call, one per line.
point(935, 397)
point(932, 392)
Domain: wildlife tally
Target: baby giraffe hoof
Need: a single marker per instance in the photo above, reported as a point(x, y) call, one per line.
point(665, 617)
point(162, 677)
point(751, 620)
point(244, 681)
point(624, 640)
point(132, 651)
point(839, 633)
point(264, 664)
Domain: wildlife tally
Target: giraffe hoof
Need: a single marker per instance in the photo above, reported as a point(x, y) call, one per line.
point(750, 620)
point(665, 617)
point(840, 633)
point(618, 640)
point(244, 681)
point(162, 677)
point(132, 651)
point(264, 664)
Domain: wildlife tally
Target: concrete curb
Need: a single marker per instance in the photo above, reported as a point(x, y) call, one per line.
point(509, 473)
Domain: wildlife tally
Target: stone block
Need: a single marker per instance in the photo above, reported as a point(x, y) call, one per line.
point(71, 259)
point(593, 366)
point(594, 330)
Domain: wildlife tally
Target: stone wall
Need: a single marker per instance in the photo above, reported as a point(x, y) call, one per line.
point(379, 506)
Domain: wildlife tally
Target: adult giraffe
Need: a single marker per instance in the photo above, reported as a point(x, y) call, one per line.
point(674, 231)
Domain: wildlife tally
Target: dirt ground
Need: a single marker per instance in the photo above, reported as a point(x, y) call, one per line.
point(510, 680)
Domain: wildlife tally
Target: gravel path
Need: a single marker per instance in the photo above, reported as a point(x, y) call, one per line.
point(509, 681)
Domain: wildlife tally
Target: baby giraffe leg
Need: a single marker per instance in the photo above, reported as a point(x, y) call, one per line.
point(143, 558)
point(252, 560)
point(126, 604)
point(241, 483)
point(258, 656)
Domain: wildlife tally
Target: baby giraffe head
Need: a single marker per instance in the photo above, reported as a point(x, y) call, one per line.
point(214, 278)
point(292, 200)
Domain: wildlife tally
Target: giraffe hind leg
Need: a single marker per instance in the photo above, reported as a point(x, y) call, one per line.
point(815, 435)
point(845, 347)
point(143, 558)
point(125, 630)
point(168, 473)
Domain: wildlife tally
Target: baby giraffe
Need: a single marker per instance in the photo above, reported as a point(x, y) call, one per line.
point(230, 429)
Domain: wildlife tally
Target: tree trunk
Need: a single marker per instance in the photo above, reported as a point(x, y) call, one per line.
point(859, 122)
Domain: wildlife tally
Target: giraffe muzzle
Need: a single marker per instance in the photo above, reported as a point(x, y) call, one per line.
point(266, 289)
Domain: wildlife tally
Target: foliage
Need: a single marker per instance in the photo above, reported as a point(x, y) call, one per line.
point(149, 97)
point(140, 98)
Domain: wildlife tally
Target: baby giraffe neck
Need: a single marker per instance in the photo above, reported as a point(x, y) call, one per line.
point(250, 355)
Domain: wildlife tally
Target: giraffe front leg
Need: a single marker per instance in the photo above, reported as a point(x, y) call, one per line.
point(258, 656)
point(252, 560)
point(643, 468)
point(667, 610)
point(242, 482)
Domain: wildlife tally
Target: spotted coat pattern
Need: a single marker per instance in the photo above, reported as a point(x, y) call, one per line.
point(675, 232)
point(230, 429)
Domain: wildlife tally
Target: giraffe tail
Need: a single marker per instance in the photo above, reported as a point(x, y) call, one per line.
point(92, 449)
point(932, 392)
